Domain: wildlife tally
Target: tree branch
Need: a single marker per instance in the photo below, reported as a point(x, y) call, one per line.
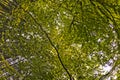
point(47, 36)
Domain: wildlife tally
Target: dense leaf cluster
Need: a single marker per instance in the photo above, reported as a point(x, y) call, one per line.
point(59, 39)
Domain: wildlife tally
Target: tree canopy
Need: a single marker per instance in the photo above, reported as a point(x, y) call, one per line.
point(60, 39)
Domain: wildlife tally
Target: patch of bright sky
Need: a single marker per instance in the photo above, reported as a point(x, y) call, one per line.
point(111, 25)
point(99, 40)
point(77, 46)
point(106, 68)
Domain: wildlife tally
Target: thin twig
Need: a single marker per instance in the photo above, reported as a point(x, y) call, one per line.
point(47, 36)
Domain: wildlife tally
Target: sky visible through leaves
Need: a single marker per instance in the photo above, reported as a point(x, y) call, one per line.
point(60, 39)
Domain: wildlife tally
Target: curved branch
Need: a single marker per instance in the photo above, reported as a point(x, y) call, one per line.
point(47, 36)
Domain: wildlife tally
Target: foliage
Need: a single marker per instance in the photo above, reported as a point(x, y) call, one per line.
point(60, 39)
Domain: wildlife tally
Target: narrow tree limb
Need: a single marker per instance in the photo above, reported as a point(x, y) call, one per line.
point(47, 36)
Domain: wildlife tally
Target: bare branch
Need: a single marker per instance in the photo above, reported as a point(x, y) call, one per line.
point(56, 49)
